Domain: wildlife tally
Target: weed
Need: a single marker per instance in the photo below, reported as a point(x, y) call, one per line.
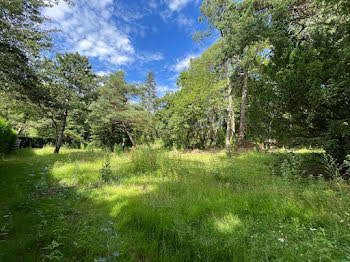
point(334, 170)
point(54, 253)
point(42, 185)
point(3, 232)
point(105, 171)
point(290, 168)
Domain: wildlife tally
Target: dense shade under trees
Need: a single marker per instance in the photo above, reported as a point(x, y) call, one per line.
point(7, 137)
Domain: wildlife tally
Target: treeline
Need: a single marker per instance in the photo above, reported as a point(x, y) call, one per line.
point(62, 98)
point(278, 74)
point(76, 107)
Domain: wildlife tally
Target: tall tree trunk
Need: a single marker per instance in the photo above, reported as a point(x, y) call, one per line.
point(123, 144)
point(129, 135)
point(20, 130)
point(243, 109)
point(59, 138)
point(231, 116)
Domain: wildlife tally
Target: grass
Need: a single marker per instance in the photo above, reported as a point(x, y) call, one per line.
point(164, 206)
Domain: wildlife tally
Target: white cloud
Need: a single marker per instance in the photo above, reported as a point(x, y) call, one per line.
point(177, 5)
point(152, 4)
point(184, 63)
point(148, 57)
point(163, 89)
point(103, 73)
point(88, 27)
point(173, 6)
point(184, 21)
point(57, 12)
point(101, 3)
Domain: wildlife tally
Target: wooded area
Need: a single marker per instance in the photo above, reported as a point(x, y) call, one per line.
point(278, 75)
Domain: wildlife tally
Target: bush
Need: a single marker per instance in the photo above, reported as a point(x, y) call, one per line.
point(334, 170)
point(35, 142)
point(105, 171)
point(7, 137)
point(290, 167)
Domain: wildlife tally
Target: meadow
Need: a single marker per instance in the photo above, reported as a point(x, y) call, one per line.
point(154, 205)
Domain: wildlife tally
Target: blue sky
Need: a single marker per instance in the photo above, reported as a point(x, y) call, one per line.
point(135, 36)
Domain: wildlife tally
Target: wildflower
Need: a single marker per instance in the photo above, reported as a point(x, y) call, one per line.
point(281, 240)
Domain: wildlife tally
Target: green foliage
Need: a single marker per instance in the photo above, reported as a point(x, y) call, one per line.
point(7, 137)
point(69, 88)
point(148, 93)
point(115, 120)
point(334, 170)
point(295, 53)
point(194, 116)
point(105, 171)
point(294, 58)
point(54, 253)
point(150, 104)
point(291, 167)
point(148, 161)
point(23, 38)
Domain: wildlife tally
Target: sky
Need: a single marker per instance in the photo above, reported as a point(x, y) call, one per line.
point(135, 36)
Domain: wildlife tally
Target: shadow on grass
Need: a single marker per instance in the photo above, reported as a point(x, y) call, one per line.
point(187, 214)
point(36, 212)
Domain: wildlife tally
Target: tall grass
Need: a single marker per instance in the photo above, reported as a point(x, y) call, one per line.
point(153, 161)
point(167, 207)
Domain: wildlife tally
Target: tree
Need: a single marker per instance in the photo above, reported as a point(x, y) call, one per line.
point(310, 74)
point(194, 116)
point(242, 23)
point(22, 40)
point(114, 107)
point(213, 11)
point(307, 77)
point(68, 84)
point(148, 101)
point(18, 110)
point(148, 94)
point(7, 137)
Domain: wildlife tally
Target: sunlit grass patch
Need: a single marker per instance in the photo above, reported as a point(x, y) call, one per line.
point(226, 224)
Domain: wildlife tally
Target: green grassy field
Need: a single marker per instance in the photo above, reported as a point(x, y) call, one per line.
point(163, 206)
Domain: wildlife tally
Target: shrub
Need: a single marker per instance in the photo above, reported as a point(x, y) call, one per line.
point(7, 137)
point(346, 165)
point(105, 171)
point(35, 142)
point(334, 170)
point(290, 167)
